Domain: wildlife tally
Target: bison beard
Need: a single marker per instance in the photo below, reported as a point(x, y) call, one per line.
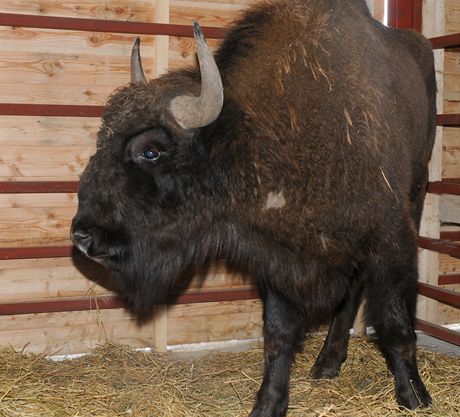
point(308, 174)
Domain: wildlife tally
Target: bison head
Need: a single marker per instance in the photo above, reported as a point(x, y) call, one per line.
point(135, 197)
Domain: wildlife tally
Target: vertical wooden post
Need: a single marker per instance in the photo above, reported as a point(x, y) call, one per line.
point(161, 67)
point(359, 327)
point(433, 25)
point(161, 42)
point(370, 4)
point(160, 328)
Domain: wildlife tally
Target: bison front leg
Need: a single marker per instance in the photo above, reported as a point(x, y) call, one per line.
point(283, 336)
point(334, 351)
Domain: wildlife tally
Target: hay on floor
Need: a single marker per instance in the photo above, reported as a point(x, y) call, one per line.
point(115, 381)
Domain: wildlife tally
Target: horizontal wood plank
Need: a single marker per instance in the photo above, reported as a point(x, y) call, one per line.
point(197, 323)
point(216, 13)
point(73, 332)
point(35, 226)
point(37, 78)
point(65, 163)
point(34, 200)
point(48, 131)
point(139, 10)
point(451, 153)
point(450, 209)
point(448, 264)
point(62, 278)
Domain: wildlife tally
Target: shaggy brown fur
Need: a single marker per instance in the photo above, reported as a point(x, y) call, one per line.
point(312, 180)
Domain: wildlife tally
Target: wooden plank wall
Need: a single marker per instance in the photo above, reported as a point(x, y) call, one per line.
point(442, 213)
point(47, 66)
point(450, 205)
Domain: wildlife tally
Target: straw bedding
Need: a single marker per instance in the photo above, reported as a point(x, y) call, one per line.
point(116, 381)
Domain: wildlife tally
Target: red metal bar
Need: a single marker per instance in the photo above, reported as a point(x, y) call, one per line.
point(97, 25)
point(36, 252)
point(35, 307)
point(418, 9)
point(112, 301)
point(452, 120)
point(442, 295)
point(22, 187)
point(450, 235)
point(215, 296)
point(444, 187)
point(449, 279)
point(446, 41)
point(439, 332)
point(403, 14)
point(441, 246)
point(57, 110)
point(68, 110)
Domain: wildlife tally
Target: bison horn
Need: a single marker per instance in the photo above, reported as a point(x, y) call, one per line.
point(190, 111)
point(137, 73)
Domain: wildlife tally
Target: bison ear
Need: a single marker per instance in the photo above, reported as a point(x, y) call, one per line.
point(192, 112)
point(137, 73)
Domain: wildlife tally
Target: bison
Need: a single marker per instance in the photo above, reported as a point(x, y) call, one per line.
point(297, 153)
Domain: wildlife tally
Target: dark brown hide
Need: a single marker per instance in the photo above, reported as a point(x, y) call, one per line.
point(311, 180)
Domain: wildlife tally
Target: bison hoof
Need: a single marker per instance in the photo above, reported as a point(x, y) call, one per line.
point(269, 406)
point(267, 413)
point(416, 396)
point(325, 368)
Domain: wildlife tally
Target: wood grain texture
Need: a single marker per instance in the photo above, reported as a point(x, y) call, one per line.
point(452, 82)
point(60, 278)
point(450, 209)
point(65, 67)
point(182, 51)
point(73, 332)
point(448, 265)
point(128, 10)
point(208, 322)
point(35, 226)
point(63, 162)
point(451, 153)
point(216, 13)
point(433, 25)
point(45, 148)
point(452, 16)
point(78, 332)
point(48, 131)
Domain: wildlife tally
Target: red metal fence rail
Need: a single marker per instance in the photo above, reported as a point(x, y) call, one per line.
point(112, 26)
point(111, 301)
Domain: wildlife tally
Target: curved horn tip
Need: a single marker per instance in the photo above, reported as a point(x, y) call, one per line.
point(197, 31)
point(137, 73)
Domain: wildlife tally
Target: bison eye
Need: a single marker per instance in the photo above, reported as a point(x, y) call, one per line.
point(151, 154)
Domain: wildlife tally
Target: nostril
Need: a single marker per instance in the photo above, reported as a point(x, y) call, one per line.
point(82, 240)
